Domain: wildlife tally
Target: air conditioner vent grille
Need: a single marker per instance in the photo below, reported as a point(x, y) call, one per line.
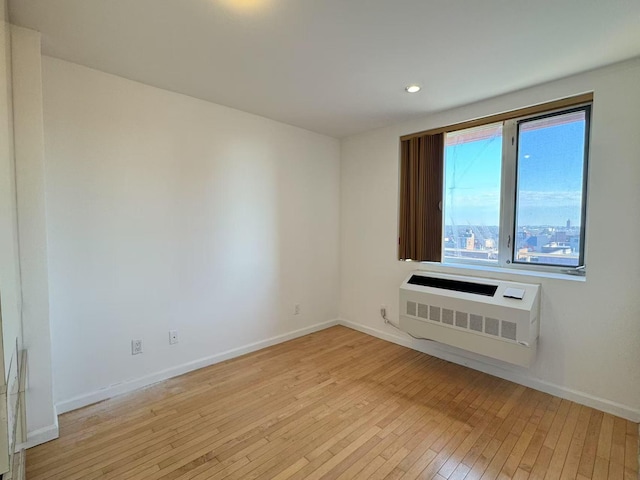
point(475, 322)
point(464, 320)
point(488, 290)
point(509, 330)
point(492, 326)
point(461, 319)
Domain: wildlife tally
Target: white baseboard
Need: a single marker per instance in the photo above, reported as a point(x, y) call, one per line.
point(131, 385)
point(582, 398)
point(42, 435)
point(51, 432)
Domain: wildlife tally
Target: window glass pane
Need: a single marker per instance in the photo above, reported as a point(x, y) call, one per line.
point(549, 189)
point(473, 164)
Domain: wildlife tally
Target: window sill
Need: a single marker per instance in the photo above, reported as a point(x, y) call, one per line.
point(474, 269)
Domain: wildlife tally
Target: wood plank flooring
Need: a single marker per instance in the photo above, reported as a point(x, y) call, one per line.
point(337, 404)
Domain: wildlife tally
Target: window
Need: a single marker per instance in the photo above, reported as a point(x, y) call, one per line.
point(473, 171)
point(514, 191)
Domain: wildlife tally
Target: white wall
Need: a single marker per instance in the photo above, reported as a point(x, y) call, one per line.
point(9, 251)
point(168, 212)
point(29, 159)
point(589, 346)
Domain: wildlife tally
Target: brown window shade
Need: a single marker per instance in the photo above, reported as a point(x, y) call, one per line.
point(421, 172)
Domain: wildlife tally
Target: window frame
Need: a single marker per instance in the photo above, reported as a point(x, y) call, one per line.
point(586, 107)
point(508, 188)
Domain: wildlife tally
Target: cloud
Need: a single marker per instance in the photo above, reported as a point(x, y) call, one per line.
point(563, 198)
point(527, 198)
point(475, 199)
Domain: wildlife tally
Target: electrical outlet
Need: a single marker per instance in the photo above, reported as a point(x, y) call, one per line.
point(296, 309)
point(173, 337)
point(136, 347)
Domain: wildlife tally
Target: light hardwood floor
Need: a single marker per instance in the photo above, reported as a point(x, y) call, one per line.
point(337, 404)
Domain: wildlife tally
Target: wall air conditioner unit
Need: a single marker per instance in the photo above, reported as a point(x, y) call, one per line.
point(495, 318)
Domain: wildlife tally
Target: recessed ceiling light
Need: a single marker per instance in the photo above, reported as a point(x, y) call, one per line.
point(246, 5)
point(413, 88)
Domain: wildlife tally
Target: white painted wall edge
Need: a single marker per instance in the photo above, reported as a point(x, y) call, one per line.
point(582, 398)
point(40, 436)
point(134, 384)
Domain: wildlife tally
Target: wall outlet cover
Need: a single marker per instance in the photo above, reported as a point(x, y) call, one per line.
point(136, 347)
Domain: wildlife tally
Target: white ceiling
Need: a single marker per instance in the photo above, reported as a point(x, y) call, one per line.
point(337, 67)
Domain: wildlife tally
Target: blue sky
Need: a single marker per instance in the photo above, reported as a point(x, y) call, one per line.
point(549, 177)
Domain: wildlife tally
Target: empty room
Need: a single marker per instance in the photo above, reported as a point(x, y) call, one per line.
point(319, 239)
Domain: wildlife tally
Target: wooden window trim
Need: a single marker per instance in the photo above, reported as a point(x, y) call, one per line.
point(501, 117)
